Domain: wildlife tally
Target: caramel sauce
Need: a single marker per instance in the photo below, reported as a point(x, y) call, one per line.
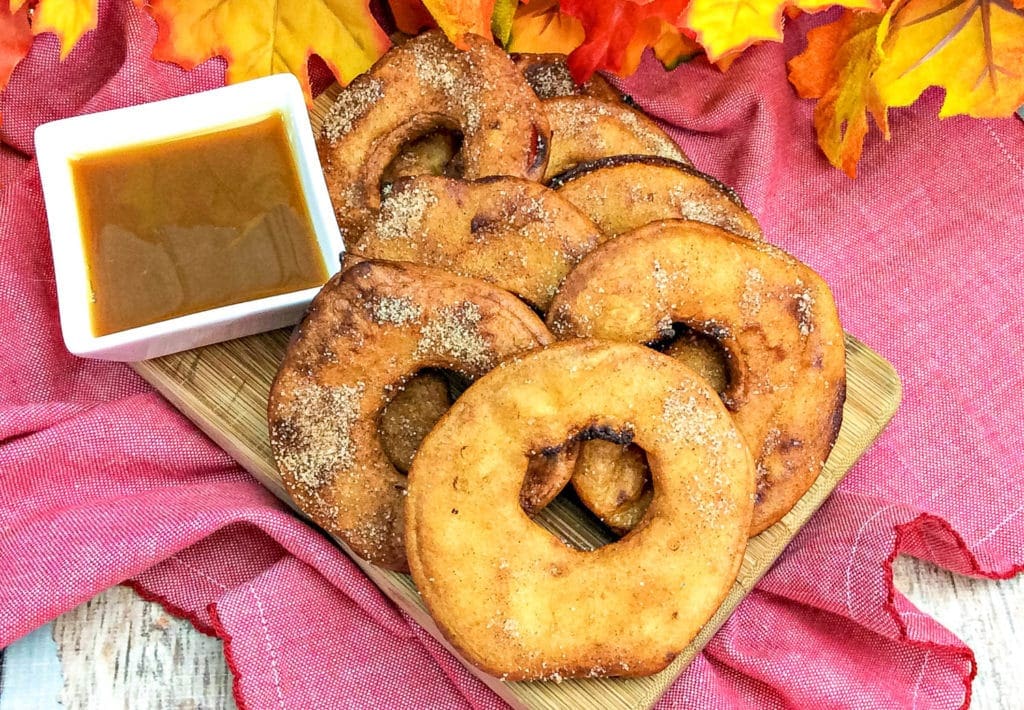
point(194, 223)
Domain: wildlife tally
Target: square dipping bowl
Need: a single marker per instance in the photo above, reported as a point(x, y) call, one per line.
point(60, 143)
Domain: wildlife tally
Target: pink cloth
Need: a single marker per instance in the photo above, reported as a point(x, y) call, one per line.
point(102, 482)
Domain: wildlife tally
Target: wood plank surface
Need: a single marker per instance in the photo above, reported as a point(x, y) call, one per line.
point(118, 651)
point(224, 389)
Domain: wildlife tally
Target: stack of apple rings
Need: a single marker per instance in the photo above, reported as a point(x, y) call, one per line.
point(491, 206)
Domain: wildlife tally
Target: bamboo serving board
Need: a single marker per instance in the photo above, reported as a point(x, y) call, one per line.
point(224, 388)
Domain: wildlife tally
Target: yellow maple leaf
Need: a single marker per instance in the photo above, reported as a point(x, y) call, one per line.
point(538, 27)
point(836, 68)
point(460, 17)
point(864, 63)
point(68, 19)
point(974, 49)
point(261, 37)
point(728, 26)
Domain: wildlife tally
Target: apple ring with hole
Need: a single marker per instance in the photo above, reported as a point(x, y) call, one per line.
point(369, 330)
point(417, 406)
point(623, 192)
point(612, 481)
point(702, 354)
point(549, 77)
point(547, 74)
point(418, 88)
point(514, 233)
point(584, 129)
point(539, 608)
point(774, 317)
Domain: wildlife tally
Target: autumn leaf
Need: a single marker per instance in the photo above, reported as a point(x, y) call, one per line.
point(410, 16)
point(456, 17)
point(616, 31)
point(68, 19)
point(974, 49)
point(459, 17)
point(501, 19)
point(837, 68)
point(726, 27)
point(865, 63)
point(673, 48)
point(15, 39)
point(668, 44)
point(539, 27)
point(261, 37)
point(542, 26)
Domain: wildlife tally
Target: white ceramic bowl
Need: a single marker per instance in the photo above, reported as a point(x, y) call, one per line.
point(59, 142)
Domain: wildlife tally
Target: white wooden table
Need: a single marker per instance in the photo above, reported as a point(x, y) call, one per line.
point(118, 651)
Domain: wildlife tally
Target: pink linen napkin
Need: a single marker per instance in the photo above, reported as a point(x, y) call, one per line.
point(102, 482)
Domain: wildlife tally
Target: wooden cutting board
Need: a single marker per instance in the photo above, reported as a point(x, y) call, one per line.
point(223, 388)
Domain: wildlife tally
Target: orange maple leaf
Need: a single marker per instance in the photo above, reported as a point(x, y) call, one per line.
point(836, 69)
point(617, 31)
point(670, 46)
point(864, 63)
point(15, 39)
point(410, 16)
point(540, 27)
point(725, 27)
point(460, 17)
point(261, 37)
point(673, 48)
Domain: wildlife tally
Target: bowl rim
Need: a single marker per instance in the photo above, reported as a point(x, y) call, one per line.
point(60, 142)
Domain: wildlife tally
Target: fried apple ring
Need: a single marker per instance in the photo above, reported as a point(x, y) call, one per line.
point(369, 330)
point(514, 233)
point(623, 192)
point(612, 481)
point(584, 129)
point(549, 77)
point(773, 316)
point(521, 604)
point(547, 74)
point(419, 87)
point(421, 402)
